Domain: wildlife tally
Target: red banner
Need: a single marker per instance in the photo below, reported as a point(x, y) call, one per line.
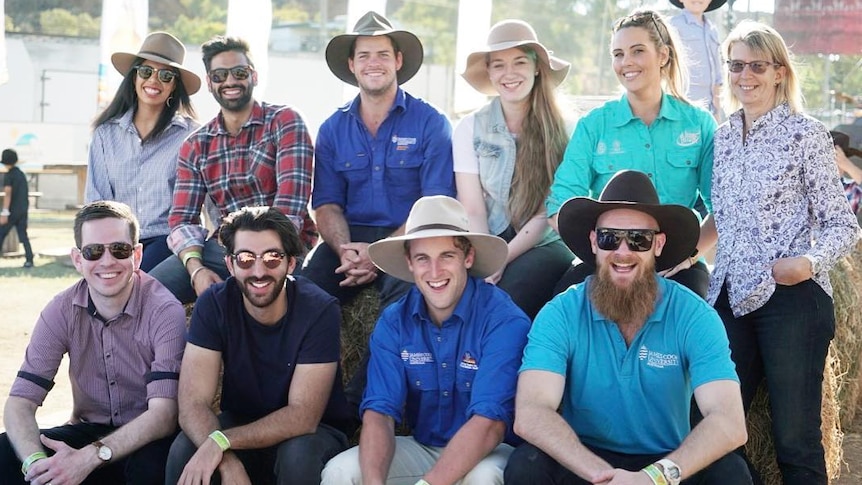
point(820, 26)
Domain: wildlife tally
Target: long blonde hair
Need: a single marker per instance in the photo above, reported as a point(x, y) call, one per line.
point(540, 148)
point(766, 41)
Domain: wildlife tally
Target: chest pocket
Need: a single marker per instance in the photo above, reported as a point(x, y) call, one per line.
point(421, 377)
point(402, 174)
point(354, 168)
point(679, 183)
point(464, 379)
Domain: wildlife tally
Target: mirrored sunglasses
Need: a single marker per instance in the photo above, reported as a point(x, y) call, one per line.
point(757, 67)
point(240, 73)
point(638, 240)
point(119, 250)
point(246, 259)
point(163, 75)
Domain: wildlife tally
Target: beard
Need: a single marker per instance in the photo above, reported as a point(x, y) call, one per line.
point(632, 303)
point(262, 301)
point(237, 104)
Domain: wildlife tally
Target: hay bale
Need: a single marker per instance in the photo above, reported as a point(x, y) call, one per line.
point(357, 321)
point(846, 279)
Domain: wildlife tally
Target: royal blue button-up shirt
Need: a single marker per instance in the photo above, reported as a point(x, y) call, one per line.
point(445, 375)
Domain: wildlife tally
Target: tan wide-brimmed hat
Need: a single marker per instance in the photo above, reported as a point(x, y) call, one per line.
point(630, 189)
point(435, 216)
point(505, 35)
point(372, 24)
point(160, 47)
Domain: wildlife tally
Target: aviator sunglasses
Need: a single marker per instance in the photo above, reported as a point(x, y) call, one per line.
point(638, 240)
point(94, 252)
point(163, 75)
point(240, 73)
point(245, 259)
point(757, 67)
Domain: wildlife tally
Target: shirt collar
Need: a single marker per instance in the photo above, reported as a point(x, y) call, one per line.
point(127, 120)
point(82, 299)
point(689, 18)
point(657, 315)
point(256, 118)
point(400, 103)
point(669, 110)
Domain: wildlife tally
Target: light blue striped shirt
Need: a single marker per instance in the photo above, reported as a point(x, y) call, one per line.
point(141, 175)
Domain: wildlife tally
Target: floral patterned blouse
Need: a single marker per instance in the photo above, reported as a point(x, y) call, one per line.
point(775, 195)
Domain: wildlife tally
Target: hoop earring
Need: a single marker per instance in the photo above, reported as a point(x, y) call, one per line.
point(168, 101)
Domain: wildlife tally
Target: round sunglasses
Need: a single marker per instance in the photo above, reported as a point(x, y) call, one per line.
point(119, 250)
point(240, 73)
point(163, 75)
point(757, 67)
point(245, 259)
point(638, 240)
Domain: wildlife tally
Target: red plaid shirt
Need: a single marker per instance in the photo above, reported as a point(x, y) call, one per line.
point(268, 163)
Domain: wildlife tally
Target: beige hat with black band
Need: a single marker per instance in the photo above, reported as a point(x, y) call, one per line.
point(159, 47)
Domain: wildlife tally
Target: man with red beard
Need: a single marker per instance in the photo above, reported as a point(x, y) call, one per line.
point(621, 355)
point(251, 154)
point(283, 413)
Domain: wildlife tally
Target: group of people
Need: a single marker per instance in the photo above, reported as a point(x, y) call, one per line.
point(639, 370)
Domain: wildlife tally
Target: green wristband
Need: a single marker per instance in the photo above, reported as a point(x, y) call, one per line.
point(25, 466)
point(189, 255)
point(220, 439)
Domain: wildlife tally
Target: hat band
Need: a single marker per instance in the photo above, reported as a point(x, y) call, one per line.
point(427, 227)
point(159, 54)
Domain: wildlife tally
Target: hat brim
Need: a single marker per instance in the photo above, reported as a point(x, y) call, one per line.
point(388, 254)
point(578, 216)
point(476, 72)
point(714, 4)
point(412, 55)
point(123, 62)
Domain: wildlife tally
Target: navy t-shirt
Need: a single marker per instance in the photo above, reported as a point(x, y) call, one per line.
point(259, 360)
point(19, 204)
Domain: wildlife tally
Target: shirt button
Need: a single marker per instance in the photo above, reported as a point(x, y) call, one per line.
point(401, 162)
point(107, 356)
point(445, 393)
point(467, 384)
point(113, 383)
point(418, 383)
point(647, 146)
point(649, 175)
point(688, 162)
point(610, 167)
point(347, 164)
point(116, 413)
point(444, 365)
point(377, 168)
point(439, 339)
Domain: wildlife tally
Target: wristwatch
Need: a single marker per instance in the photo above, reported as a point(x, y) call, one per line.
point(103, 452)
point(670, 470)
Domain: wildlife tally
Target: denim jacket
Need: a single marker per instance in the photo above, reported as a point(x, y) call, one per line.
point(496, 151)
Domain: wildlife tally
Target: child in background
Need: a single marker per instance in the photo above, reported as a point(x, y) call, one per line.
point(15, 204)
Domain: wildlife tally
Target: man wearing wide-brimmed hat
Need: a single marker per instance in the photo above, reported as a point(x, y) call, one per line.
point(621, 355)
point(374, 157)
point(443, 359)
point(702, 45)
point(251, 154)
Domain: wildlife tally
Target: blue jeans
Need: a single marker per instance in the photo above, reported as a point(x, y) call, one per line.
point(173, 275)
point(155, 251)
point(296, 461)
point(529, 465)
point(785, 342)
point(20, 225)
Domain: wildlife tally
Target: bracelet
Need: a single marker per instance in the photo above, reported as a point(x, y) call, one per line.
point(195, 273)
point(25, 466)
point(422, 481)
point(655, 475)
point(189, 255)
point(5, 212)
point(220, 439)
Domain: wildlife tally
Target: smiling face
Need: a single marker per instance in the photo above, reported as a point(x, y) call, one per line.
point(232, 94)
point(261, 286)
point(512, 73)
point(439, 270)
point(755, 92)
point(622, 265)
point(152, 92)
point(637, 61)
point(108, 278)
point(375, 64)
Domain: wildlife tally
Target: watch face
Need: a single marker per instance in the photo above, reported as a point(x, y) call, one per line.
point(672, 472)
point(105, 453)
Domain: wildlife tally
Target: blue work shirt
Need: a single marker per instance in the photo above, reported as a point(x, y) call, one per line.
point(630, 399)
point(675, 151)
point(447, 374)
point(703, 56)
point(376, 180)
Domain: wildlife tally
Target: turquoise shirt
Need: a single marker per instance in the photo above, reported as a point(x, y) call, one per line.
point(675, 152)
point(633, 399)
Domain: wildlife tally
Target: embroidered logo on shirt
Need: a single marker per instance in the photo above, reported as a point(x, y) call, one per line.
point(416, 358)
point(402, 143)
point(688, 138)
point(468, 362)
point(601, 148)
point(617, 148)
point(657, 359)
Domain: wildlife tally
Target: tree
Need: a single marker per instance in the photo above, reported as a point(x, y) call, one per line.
point(58, 21)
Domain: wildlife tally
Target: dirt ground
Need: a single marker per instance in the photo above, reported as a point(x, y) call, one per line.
point(24, 294)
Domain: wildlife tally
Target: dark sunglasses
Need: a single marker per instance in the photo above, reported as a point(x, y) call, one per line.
point(246, 259)
point(757, 67)
point(240, 73)
point(638, 240)
point(164, 75)
point(119, 250)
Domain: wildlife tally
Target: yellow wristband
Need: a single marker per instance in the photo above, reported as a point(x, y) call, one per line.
point(655, 475)
point(220, 439)
point(189, 255)
point(25, 466)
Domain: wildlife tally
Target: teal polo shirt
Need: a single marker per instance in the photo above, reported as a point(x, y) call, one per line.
point(675, 152)
point(634, 399)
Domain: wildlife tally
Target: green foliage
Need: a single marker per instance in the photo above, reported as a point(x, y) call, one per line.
point(434, 22)
point(62, 22)
point(9, 24)
point(291, 12)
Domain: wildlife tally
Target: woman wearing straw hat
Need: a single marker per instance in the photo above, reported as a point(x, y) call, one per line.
point(652, 128)
point(136, 139)
point(505, 156)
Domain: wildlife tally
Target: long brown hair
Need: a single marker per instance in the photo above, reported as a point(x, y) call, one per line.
point(540, 148)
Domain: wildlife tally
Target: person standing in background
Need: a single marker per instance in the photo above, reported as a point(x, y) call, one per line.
point(136, 139)
point(700, 38)
point(16, 204)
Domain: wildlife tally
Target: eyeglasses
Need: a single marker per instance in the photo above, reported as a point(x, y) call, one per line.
point(164, 75)
point(757, 67)
point(638, 240)
point(246, 259)
point(240, 73)
point(94, 252)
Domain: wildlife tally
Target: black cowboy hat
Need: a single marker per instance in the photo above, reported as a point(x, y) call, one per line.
point(714, 4)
